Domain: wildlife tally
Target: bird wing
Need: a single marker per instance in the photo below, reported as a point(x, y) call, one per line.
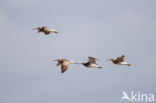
point(120, 59)
point(92, 60)
point(43, 28)
point(47, 32)
point(64, 68)
point(64, 65)
point(46, 29)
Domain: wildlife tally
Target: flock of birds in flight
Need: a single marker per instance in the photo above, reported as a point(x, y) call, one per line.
point(91, 60)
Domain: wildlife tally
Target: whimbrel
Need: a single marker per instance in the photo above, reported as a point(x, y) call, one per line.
point(91, 63)
point(46, 30)
point(120, 61)
point(64, 64)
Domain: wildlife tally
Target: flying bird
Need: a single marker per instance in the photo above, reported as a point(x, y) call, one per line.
point(120, 61)
point(45, 30)
point(64, 64)
point(91, 63)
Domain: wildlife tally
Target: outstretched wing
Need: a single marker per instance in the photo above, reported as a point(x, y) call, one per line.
point(47, 29)
point(44, 27)
point(92, 60)
point(64, 68)
point(47, 32)
point(121, 59)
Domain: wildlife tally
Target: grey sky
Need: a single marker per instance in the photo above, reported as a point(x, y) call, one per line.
point(98, 28)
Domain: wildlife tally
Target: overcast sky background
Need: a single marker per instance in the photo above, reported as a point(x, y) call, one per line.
point(100, 28)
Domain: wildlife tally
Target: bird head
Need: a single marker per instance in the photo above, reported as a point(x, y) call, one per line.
point(57, 60)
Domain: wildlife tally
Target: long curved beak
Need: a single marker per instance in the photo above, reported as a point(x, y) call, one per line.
point(34, 28)
point(55, 60)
